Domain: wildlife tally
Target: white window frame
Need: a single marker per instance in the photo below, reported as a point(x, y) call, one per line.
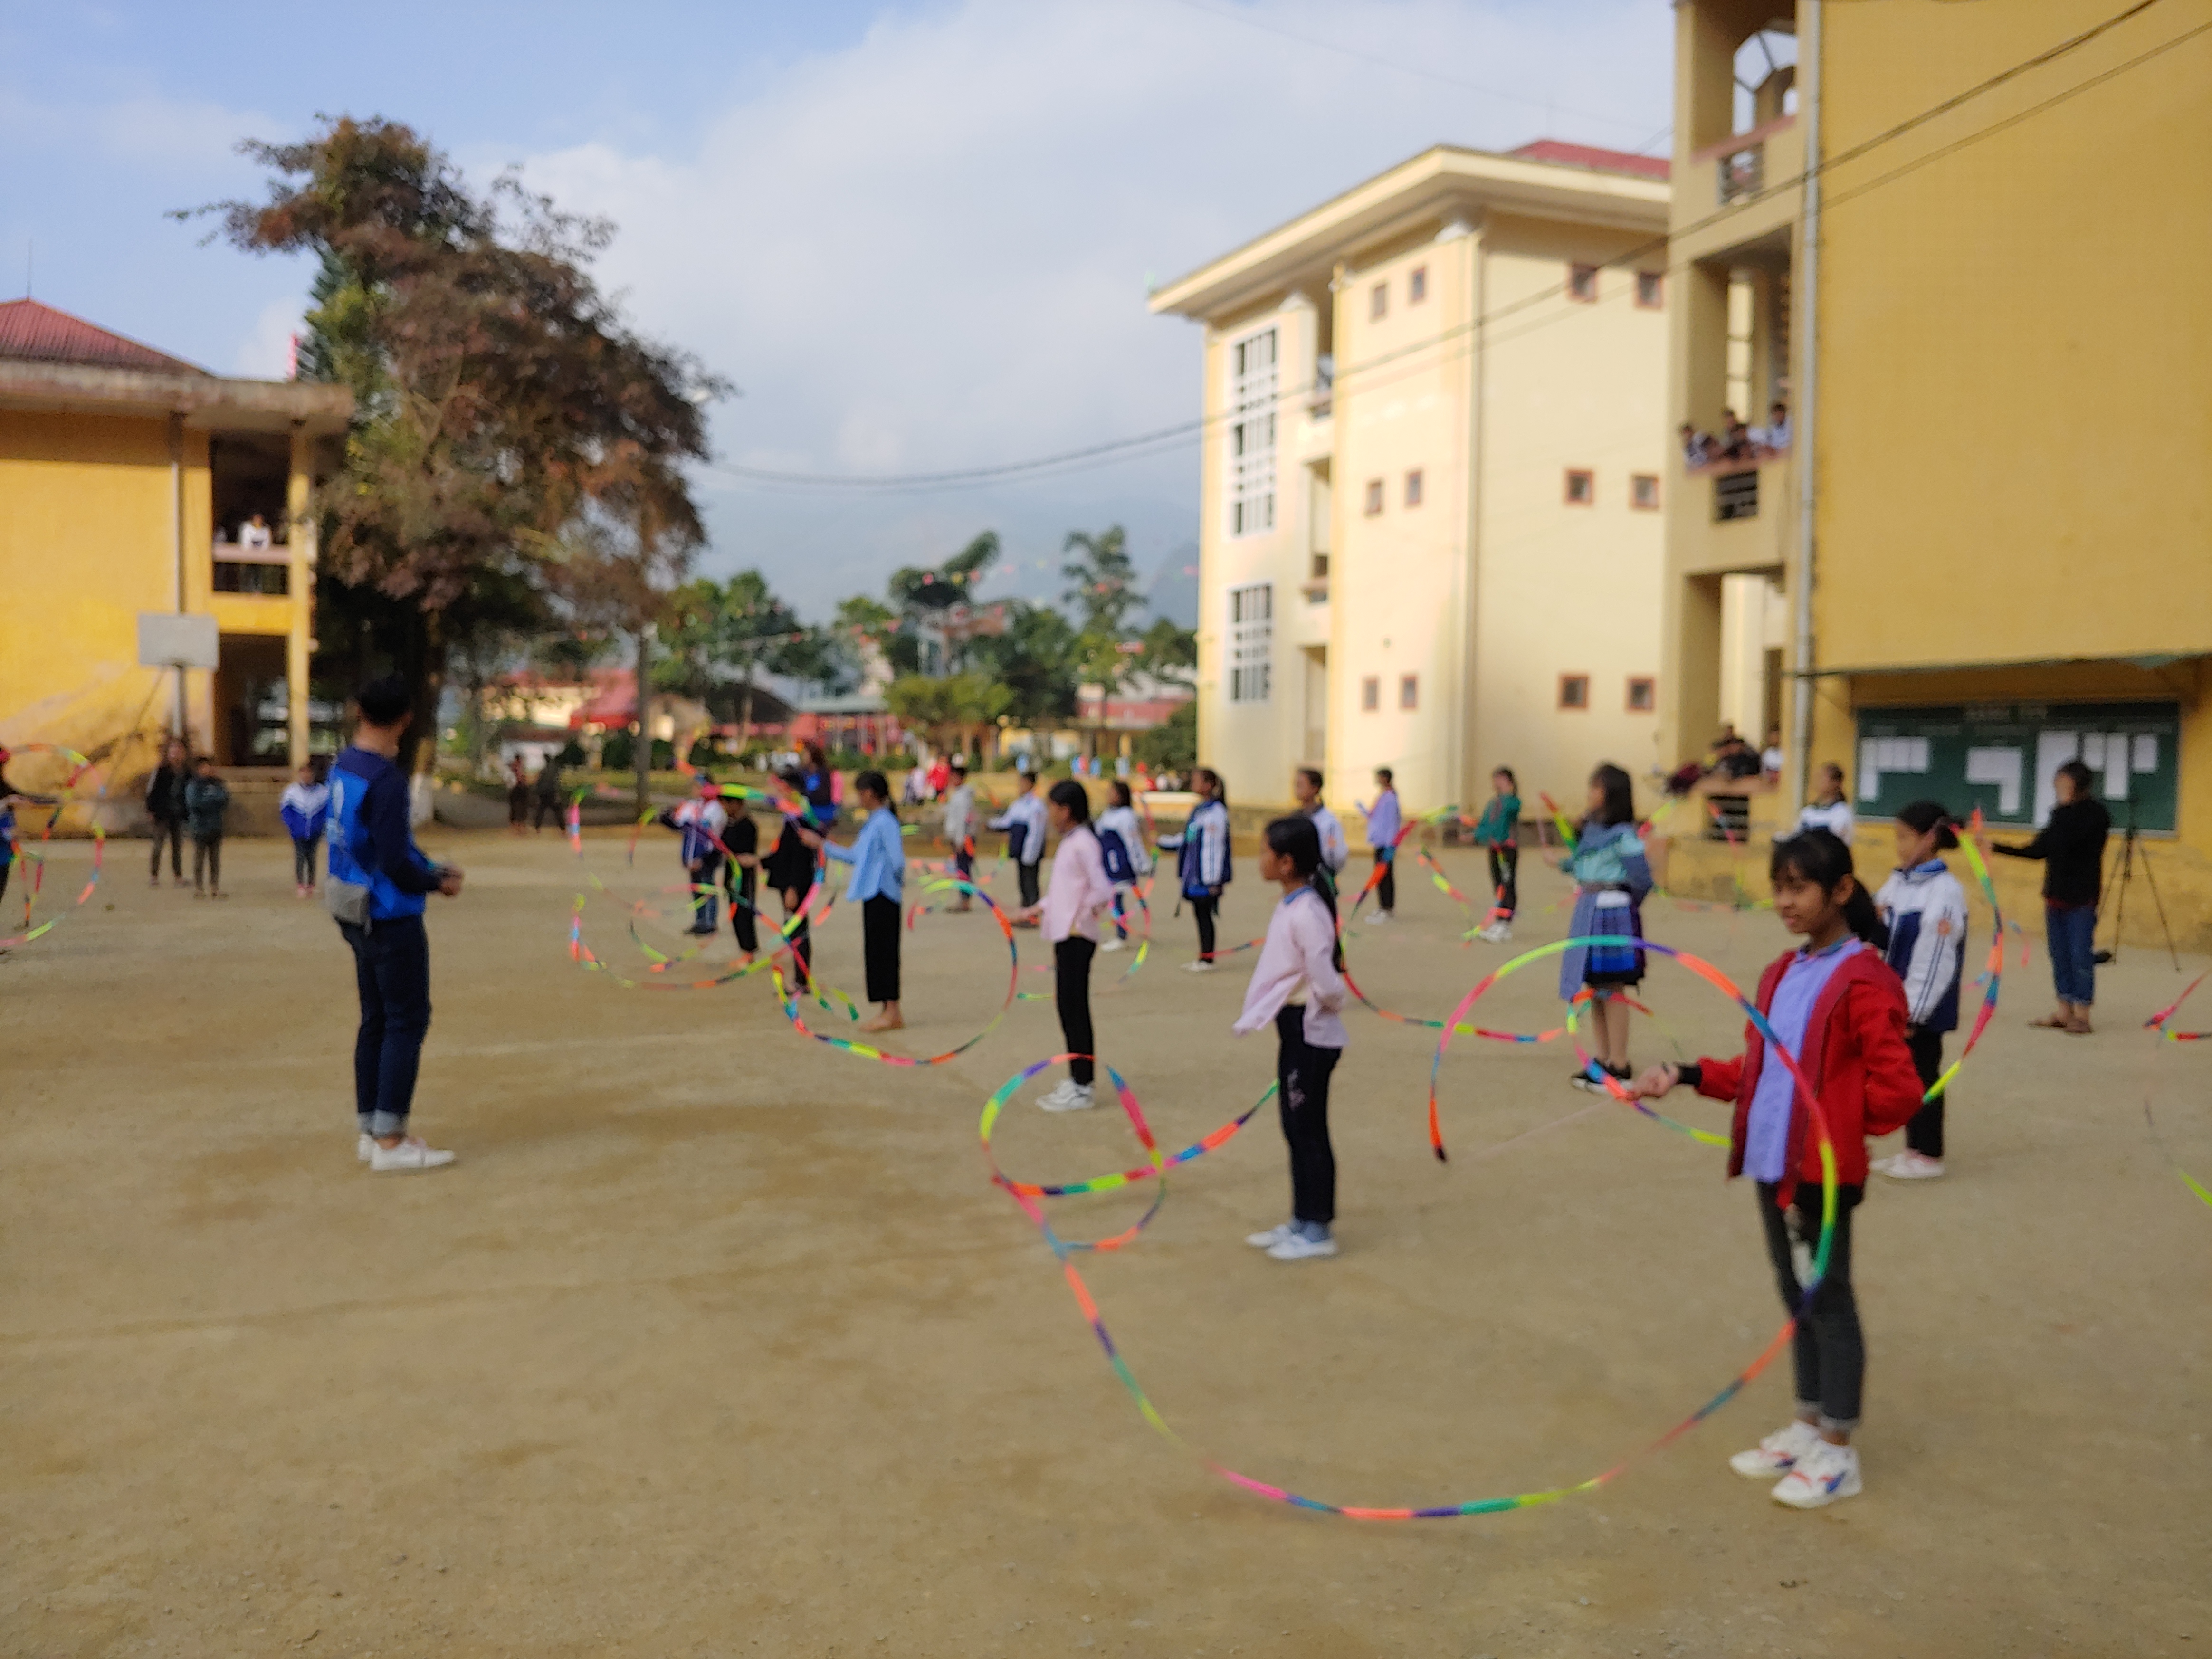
point(1251, 642)
point(1254, 363)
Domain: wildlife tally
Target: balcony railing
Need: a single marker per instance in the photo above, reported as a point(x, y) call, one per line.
point(1739, 161)
point(1736, 495)
point(262, 570)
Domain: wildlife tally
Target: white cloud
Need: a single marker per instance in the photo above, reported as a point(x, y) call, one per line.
point(266, 353)
point(929, 250)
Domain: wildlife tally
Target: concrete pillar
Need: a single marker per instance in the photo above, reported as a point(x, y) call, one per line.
point(1689, 668)
point(300, 544)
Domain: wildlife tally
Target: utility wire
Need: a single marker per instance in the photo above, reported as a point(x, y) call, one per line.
point(1159, 439)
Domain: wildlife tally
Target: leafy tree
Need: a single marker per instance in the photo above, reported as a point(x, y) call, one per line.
point(1168, 651)
point(1174, 743)
point(731, 632)
point(1035, 658)
point(1102, 585)
point(954, 711)
point(500, 397)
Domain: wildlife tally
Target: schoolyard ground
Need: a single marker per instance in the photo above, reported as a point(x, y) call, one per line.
point(718, 1341)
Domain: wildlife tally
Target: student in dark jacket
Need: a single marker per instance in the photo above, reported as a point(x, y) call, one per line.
point(207, 798)
point(2072, 847)
point(165, 805)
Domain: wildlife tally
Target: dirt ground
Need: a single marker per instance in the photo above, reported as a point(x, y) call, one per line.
point(718, 1341)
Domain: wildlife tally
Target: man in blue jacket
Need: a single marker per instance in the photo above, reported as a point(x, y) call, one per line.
point(378, 886)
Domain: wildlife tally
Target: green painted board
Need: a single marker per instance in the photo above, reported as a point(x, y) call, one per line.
point(2000, 756)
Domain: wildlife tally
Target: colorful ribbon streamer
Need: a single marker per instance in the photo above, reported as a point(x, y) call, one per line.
point(2157, 1021)
point(36, 858)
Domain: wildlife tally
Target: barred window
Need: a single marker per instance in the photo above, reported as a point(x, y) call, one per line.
point(1251, 636)
point(1252, 435)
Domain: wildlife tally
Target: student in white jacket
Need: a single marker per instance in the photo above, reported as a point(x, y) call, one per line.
point(1299, 984)
point(1335, 850)
point(1926, 911)
point(1024, 823)
point(960, 826)
point(1122, 840)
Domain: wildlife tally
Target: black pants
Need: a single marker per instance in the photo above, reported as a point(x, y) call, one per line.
point(548, 806)
point(704, 880)
point(1924, 1134)
point(303, 862)
point(172, 831)
point(1027, 874)
point(743, 885)
point(1205, 908)
point(1828, 1350)
point(1071, 966)
point(801, 938)
point(1386, 891)
point(6, 870)
point(207, 862)
point(879, 941)
point(1505, 880)
point(1302, 1073)
point(392, 970)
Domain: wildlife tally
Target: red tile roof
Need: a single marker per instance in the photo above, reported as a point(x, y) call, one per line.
point(1589, 155)
point(31, 333)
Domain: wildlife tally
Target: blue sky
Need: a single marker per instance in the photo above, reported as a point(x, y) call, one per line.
point(917, 236)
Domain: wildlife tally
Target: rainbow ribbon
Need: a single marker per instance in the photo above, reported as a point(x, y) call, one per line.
point(1993, 974)
point(2195, 1185)
point(79, 765)
point(2157, 1021)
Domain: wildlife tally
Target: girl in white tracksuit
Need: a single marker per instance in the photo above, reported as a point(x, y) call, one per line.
point(1122, 840)
point(1926, 910)
point(1202, 860)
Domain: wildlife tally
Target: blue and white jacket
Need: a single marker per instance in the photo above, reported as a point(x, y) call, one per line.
point(304, 808)
point(1202, 850)
point(1929, 958)
point(372, 844)
point(1122, 844)
point(1024, 823)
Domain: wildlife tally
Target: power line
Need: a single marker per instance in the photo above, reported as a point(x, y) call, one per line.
point(1158, 440)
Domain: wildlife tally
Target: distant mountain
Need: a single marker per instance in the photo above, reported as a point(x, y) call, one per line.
point(1173, 591)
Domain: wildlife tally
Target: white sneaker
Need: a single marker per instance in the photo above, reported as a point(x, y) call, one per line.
point(1113, 945)
point(365, 1148)
point(1822, 1475)
point(1200, 966)
point(1070, 1096)
point(1378, 918)
point(1301, 1246)
point(1778, 1453)
point(412, 1153)
point(1913, 1166)
point(1273, 1236)
point(1497, 932)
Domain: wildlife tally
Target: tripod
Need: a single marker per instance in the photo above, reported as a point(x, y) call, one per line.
point(2127, 870)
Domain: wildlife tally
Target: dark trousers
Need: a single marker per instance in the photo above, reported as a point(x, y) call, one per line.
point(391, 969)
point(1504, 881)
point(303, 862)
point(548, 806)
point(207, 862)
point(1027, 875)
point(6, 870)
point(745, 894)
point(2069, 931)
point(801, 938)
point(172, 831)
point(703, 880)
point(1827, 1349)
point(1071, 966)
point(1386, 891)
point(1302, 1074)
point(1205, 908)
point(1924, 1134)
point(879, 942)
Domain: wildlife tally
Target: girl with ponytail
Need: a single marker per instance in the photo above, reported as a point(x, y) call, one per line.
point(1299, 984)
point(1837, 1008)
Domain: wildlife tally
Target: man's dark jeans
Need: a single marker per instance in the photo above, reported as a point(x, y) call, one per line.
point(391, 967)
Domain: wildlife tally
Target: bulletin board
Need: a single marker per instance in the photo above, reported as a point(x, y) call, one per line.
point(2001, 756)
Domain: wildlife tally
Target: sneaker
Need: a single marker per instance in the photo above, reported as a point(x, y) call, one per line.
point(1822, 1475)
point(1596, 1086)
point(1881, 1165)
point(1913, 1166)
point(1273, 1236)
point(1302, 1245)
point(1777, 1454)
point(1113, 945)
point(411, 1154)
point(1201, 966)
point(1501, 931)
point(1070, 1096)
point(1378, 918)
point(365, 1148)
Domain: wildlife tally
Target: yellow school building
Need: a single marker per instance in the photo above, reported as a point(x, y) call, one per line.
point(1985, 544)
point(1432, 479)
point(136, 488)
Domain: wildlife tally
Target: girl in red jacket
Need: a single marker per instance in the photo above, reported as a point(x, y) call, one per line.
point(1840, 1010)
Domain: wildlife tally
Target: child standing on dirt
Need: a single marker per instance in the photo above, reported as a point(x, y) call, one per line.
point(206, 797)
point(699, 821)
point(1383, 822)
point(1069, 914)
point(306, 805)
point(878, 878)
point(1298, 985)
point(1497, 832)
point(960, 827)
point(1121, 841)
point(1835, 1004)
point(741, 880)
point(1925, 910)
point(1024, 823)
point(1611, 876)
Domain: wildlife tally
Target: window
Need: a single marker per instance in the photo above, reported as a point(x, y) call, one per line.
point(1644, 491)
point(1252, 435)
point(1574, 691)
point(1582, 487)
point(1582, 284)
point(1378, 302)
point(1417, 285)
point(1650, 289)
point(1643, 694)
point(1409, 690)
point(1414, 487)
point(1251, 633)
point(1370, 694)
point(1374, 496)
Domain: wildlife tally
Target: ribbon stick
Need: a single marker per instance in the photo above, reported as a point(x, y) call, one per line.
point(1993, 973)
point(2194, 1184)
point(2157, 1021)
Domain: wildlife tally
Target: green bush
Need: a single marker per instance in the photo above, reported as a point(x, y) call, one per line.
point(1174, 744)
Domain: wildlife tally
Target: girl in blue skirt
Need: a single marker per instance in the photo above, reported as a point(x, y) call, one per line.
point(1611, 878)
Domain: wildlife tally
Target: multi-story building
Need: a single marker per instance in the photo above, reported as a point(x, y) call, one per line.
point(1952, 240)
point(133, 485)
point(1433, 477)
